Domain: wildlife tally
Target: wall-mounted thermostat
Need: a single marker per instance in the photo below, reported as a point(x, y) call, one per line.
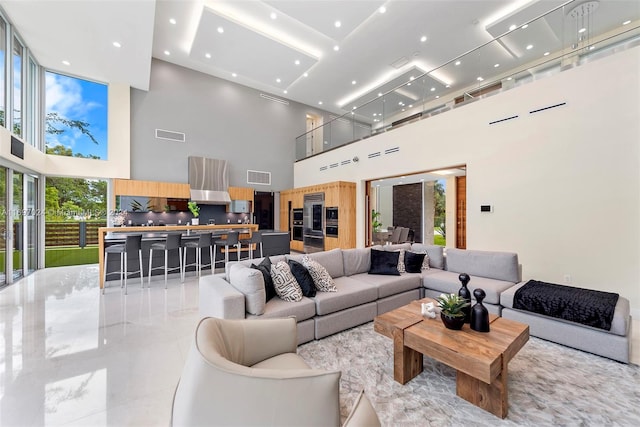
point(486, 208)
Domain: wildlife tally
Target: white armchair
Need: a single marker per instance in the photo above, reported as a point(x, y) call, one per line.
point(247, 372)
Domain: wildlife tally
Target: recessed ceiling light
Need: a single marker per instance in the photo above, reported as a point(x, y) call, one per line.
point(448, 86)
point(525, 26)
point(457, 63)
point(592, 47)
point(379, 93)
point(166, 52)
point(354, 107)
point(207, 55)
point(337, 24)
point(410, 105)
point(319, 102)
point(433, 89)
point(403, 110)
point(336, 48)
point(277, 80)
point(353, 82)
point(582, 30)
point(509, 78)
point(546, 54)
point(529, 47)
point(65, 62)
point(412, 78)
point(496, 65)
point(305, 75)
point(273, 15)
point(480, 79)
point(285, 92)
point(626, 22)
point(172, 21)
point(116, 44)
point(220, 30)
point(437, 96)
point(423, 39)
point(382, 9)
point(375, 114)
point(234, 75)
point(297, 62)
point(512, 27)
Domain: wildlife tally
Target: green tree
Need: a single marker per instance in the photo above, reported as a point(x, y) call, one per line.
point(440, 207)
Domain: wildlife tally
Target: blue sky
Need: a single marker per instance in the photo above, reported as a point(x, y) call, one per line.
point(77, 99)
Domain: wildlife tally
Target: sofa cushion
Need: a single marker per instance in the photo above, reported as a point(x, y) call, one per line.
point(356, 260)
point(435, 253)
point(397, 247)
point(321, 278)
point(330, 260)
point(303, 277)
point(383, 262)
point(413, 261)
point(391, 285)
point(286, 286)
point(301, 310)
point(265, 268)
point(251, 283)
point(493, 265)
point(447, 282)
point(350, 293)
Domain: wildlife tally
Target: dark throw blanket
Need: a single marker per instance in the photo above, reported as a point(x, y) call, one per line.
point(585, 306)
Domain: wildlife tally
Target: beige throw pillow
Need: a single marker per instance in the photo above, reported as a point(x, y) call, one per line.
point(285, 284)
point(319, 274)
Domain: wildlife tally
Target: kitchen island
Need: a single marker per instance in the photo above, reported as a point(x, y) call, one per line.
point(115, 235)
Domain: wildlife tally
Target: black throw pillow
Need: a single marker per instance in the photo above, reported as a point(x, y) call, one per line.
point(265, 268)
point(413, 262)
point(384, 262)
point(303, 277)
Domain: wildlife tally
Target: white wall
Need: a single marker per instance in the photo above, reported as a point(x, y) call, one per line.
point(564, 183)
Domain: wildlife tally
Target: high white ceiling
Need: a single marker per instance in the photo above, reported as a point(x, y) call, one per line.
point(257, 43)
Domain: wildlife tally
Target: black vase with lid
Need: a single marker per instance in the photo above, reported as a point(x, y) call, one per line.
point(464, 292)
point(479, 313)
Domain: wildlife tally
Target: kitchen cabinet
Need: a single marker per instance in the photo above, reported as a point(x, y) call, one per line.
point(240, 194)
point(341, 194)
point(151, 189)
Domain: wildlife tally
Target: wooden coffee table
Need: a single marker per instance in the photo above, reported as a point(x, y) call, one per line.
point(480, 358)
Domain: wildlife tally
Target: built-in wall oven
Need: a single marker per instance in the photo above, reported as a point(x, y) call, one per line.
point(313, 222)
point(331, 222)
point(297, 224)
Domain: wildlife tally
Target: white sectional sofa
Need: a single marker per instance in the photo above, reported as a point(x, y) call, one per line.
point(361, 296)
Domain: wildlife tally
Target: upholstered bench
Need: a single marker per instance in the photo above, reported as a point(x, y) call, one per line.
point(613, 343)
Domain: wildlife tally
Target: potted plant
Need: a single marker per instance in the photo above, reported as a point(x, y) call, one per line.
point(375, 223)
point(195, 210)
point(451, 310)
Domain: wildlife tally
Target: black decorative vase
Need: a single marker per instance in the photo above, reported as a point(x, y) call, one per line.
point(464, 292)
point(452, 322)
point(479, 313)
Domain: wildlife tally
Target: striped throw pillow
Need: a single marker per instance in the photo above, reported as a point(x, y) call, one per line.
point(285, 284)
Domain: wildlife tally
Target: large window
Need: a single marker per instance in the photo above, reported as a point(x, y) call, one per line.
point(3, 59)
point(18, 55)
point(76, 117)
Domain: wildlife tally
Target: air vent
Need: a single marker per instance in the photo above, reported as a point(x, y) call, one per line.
point(391, 150)
point(547, 108)
point(400, 62)
point(258, 177)
point(333, 165)
point(372, 155)
point(503, 120)
point(345, 162)
point(170, 135)
point(274, 99)
point(323, 168)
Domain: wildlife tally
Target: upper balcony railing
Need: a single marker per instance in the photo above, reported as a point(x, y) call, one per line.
point(567, 36)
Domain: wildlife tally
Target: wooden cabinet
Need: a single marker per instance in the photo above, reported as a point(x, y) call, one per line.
point(340, 194)
point(154, 193)
point(241, 193)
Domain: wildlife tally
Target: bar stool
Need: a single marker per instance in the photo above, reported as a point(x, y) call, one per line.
point(231, 240)
point(173, 241)
point(133, 243)
point(204, 241)
point(255, 239)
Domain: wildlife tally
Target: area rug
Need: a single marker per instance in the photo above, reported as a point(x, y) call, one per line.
point(549, 384)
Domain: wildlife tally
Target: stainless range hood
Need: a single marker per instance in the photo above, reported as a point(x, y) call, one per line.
point(209, 181)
